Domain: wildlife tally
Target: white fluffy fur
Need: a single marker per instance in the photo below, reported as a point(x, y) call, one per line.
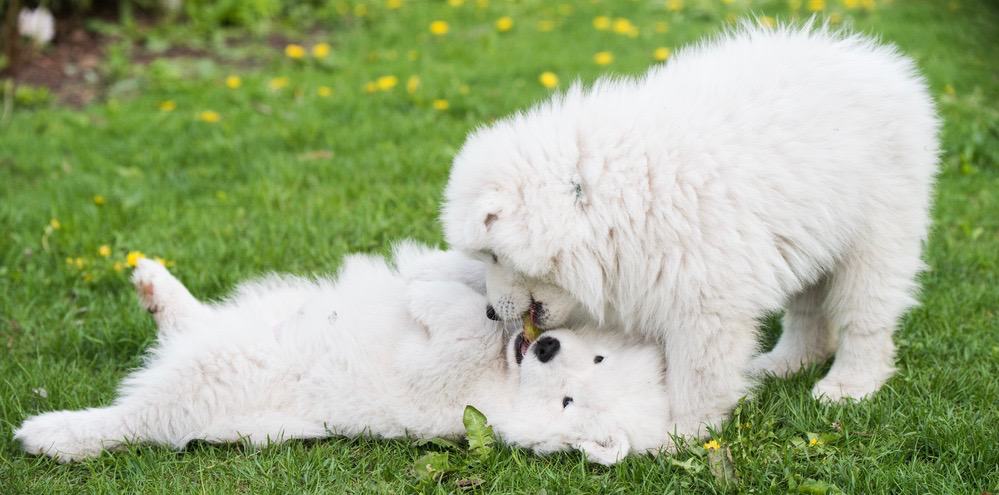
point(787, 168)
point(380, 350)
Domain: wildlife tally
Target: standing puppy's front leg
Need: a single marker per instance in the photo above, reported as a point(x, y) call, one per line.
point(707, 364)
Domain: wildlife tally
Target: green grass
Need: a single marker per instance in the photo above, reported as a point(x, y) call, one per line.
point(291, 181)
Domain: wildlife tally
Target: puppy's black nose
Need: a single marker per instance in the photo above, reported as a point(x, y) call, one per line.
point(546, 348)
point(491, 313)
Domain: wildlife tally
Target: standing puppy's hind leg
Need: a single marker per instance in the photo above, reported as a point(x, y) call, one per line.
point(870, 289)
point(170, 303)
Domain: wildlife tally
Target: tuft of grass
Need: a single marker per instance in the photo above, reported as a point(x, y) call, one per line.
point(287, 179)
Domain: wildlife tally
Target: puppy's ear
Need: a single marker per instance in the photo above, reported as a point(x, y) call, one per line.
point(607, 451)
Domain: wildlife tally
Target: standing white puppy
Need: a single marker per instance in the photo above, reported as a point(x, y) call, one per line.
point(786, 168)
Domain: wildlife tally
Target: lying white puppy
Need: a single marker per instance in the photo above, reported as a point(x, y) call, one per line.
point(381, 351)
point(767, 169)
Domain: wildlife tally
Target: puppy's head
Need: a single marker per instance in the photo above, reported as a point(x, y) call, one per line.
point(600, 394)
point(515, 200)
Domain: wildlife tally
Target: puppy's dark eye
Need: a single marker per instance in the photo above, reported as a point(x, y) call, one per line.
point(597, 359)
point(495, 259)
point(566, 401)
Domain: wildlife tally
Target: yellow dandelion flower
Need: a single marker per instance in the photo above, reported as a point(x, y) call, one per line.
point(439, 28)
point(370, 87)
point(412, 84)
point(768, 22)
point(712, 445)
point(851, 4)
point(625, 27)
point(324, 91)
point(233, 82)
point(603, 58)
point(278, 83)
point(133, 258)
point(441, 105)
point(661, 54)
point(546, 25)
point(393, 4)
point(294, 51)
point(209, 116)
point(321, 50)
point(674, 5)
point(813, 442)
point(504, 24)
point(79, 262)
point(104, 250)
point(816, 5)
point(662, 27)
point(168, 106)
point(118, 266)
point(601, 23)
point(456, 3)
point(54, 223)
point(161, 261)
point(386, 83)
point(548, 79)
point(99, 200)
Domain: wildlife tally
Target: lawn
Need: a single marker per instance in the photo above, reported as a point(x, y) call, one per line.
point(309, 158)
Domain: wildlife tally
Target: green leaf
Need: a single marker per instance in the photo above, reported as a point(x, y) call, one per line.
point(478, 432)
point(437, 442)
point(689, 465)
point(432, 466)
point(722, 467)
point(815, 487)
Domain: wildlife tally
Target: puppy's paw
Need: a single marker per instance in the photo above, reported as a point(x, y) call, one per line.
point(151, 281)
point(779, 364)
point(57, 435)
point(830, 389)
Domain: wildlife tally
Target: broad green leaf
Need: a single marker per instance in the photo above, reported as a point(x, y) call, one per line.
point(478, 432)
point(432, 466)
point(722, 468)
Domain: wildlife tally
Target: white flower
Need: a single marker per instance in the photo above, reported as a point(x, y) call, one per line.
point(37, 24)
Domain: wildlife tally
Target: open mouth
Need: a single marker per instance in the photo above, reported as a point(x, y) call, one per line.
point(520, 346)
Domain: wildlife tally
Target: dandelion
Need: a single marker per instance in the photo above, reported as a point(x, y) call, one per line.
point(851, 4)
point(278, 83)
point(548, 79)
point(412, 84)
point(233, 82)
point(439, 28)
point(209, 116)
point(370, 87)
point(386, 83)
point(601, 23)
point(161, 261)
point(104, 250)
point(99, 200)
point(168, 106)
point(441, 105)
point(294, 51)
point(54, 223)
point(456, 3)
point(661, 54)
point(603, 58)
point(77, 262)
point(324, 91)
point(768, 22)
point(816, 5)
point(118, 266)
point(546, 25)
point(504, 24)
point(674, 5)
point(812, 442)
point(712, 445)
point(321, 50)
point(133, 257)
point(393, 4)
point(625, 27)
